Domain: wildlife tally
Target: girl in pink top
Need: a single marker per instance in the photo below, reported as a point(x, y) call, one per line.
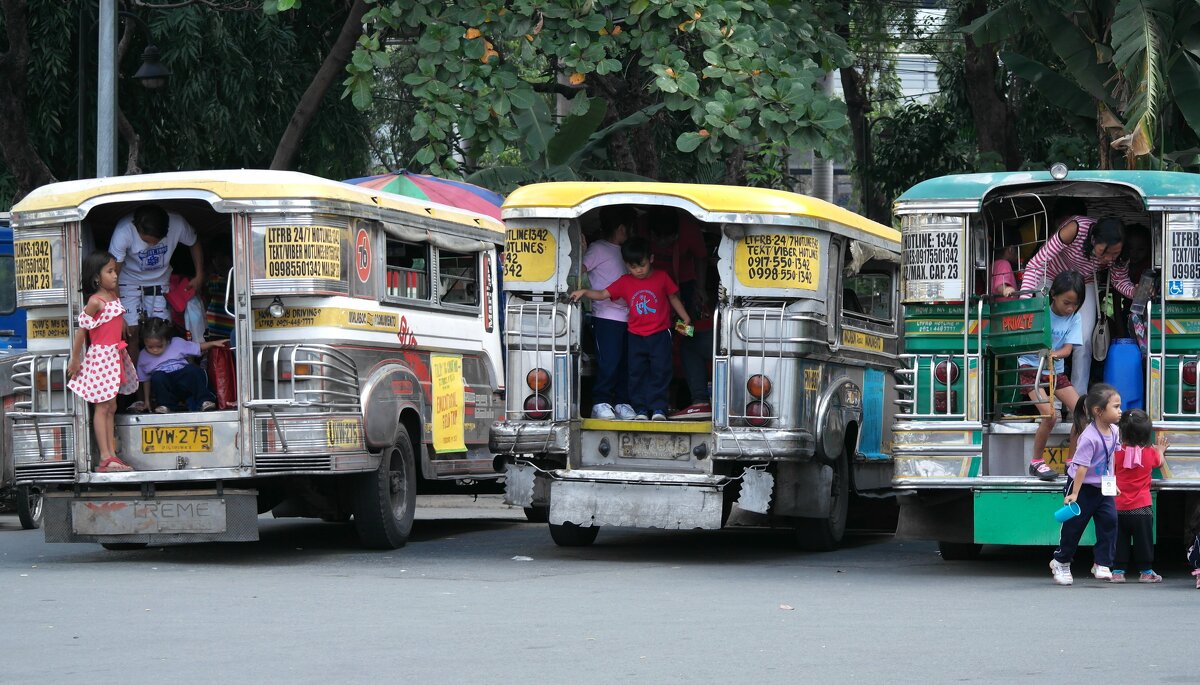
point(106, 368)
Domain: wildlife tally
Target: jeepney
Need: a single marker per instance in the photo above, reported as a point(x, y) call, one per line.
point(25, 500)
point(804, 344)
point(366, 357)
point(964, 430)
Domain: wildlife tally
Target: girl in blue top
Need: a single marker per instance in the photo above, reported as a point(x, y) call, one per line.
point(1066, 296)
point(1091, 465)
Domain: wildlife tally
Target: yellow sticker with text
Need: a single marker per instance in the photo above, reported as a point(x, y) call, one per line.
point(779, 260)
point(530, 255)
point(335, 317)
point(812, 379)
point(32, 264)
point(43, 329)
point(862, 341)
point(449, 403)
point(304, 252)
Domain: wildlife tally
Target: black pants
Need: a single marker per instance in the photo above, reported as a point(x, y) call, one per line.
point(1101, 509)
point(1135, 533)
point(650, 366)
point(188, 385)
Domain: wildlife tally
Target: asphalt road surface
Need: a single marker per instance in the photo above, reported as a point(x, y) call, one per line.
point(481, 596)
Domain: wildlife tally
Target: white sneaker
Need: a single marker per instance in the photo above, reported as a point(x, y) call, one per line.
point(603, 410)
point(1062, 572)
point(625, 412)
point(1101, 572)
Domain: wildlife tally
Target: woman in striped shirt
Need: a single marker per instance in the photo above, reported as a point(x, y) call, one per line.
point(1086, 245)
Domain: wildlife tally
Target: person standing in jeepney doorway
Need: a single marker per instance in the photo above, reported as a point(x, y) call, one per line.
point(604, 265)
point(142, 244)
point(1086, 245)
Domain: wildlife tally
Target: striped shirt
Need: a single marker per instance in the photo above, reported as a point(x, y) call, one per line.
point(1056, 257)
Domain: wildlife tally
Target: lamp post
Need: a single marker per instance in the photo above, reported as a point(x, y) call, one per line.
point(152, 74)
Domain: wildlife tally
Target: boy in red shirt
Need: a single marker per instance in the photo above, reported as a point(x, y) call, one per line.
point(647, 293)
point(1132, 465)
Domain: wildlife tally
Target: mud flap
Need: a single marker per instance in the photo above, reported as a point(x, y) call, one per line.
point(755, 494)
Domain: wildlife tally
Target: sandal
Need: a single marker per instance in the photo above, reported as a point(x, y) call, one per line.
point(112, 465)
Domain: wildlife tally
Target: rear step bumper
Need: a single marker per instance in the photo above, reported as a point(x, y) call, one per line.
point(123, 516)
point(587, 497)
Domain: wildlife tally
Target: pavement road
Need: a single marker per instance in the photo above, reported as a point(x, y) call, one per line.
point(481, 596)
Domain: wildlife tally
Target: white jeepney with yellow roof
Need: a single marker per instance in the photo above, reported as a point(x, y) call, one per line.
point(367, 356)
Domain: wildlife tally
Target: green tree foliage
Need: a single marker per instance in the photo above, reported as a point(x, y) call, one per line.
point(729, 74)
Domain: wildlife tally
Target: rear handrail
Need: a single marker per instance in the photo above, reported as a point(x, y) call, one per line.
point(41, 379)
point(330, 383)
point(541, 328)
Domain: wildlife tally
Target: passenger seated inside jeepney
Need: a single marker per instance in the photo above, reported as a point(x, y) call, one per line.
point(1005, 259)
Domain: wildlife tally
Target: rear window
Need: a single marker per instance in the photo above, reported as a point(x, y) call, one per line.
point(8, 285)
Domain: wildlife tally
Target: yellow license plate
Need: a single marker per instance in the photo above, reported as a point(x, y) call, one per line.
point(343, 433)
point(1056, 458)
point(162, 439)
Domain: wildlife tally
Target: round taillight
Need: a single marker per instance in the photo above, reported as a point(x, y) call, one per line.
point(946, 372)
point(538, 380)
point(537, 408)
point(758, 413)
point(940, 399)
point(758, 386)
point(1189, 401)
point(1189, 373)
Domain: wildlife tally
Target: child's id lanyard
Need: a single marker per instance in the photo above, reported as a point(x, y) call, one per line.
point(1108, 482)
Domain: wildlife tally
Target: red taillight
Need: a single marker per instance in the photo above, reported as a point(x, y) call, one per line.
point(538, 380)
point(1189, 373)
point(759, 386)
point(1189, 401)
point(758, 413)
point(946, 372)
point(537, 408)
point(939, 401)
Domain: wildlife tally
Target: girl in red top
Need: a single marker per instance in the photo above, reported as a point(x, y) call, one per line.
point(106, 368)
point(1132, 465)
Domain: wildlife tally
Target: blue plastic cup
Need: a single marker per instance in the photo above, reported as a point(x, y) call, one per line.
point(1067, 512)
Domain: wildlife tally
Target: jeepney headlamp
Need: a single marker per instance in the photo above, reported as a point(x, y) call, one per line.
point(1058, 171)
point(276, 308)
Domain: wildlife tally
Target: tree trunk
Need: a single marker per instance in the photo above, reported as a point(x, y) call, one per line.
point(20, 154)
point(333, 66)
point(854, 90)
point(995, 123)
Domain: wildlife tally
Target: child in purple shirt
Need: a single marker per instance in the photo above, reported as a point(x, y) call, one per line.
point(168, 377)
point(1096, 419)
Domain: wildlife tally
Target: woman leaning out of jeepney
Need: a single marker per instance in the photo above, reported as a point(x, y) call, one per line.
point(1067, 296)
point(106, 368)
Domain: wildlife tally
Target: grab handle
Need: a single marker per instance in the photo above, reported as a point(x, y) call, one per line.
point(228, 285)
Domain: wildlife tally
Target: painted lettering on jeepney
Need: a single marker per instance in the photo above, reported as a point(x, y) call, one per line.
point(334, 317)
point(777, 260)
point(303, 252)
point(1017, 322)
point(530, 255)
point(407, 338)
point(862, 341)
point(32, 264)
point(362, 255)
point(812, 380)
point(932, 255)
point(449, 403)
point(40, 329)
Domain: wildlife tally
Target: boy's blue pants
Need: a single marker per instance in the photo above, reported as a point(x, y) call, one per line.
point(650, 371)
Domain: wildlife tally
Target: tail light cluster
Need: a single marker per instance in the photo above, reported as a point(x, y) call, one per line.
point(758, 412)
point(946, 373)
point(1189, 379)
point(537, 405)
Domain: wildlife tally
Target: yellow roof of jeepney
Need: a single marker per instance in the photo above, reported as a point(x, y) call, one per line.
point(242, 184)
point(713, 199)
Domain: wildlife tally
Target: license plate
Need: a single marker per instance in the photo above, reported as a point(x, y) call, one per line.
point(1056, 458)
point(654, 446)
point(164, 439)
point(343, 433)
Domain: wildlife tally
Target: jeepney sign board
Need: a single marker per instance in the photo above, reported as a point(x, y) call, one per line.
point(146, 517)
point(530, 255)
point(39, 268)
point(933, 258)
point(449, 403)
point(33, 263)
point(46, 329)
point(333, 317)
point(303, 252)
point(778, 260)
point(1183, 256)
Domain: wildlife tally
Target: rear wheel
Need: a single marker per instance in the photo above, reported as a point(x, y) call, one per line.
point(959, 551)
point(386, 499)
point(29, 507)
point(825, 534)
point(571, 535)
point(537, 514)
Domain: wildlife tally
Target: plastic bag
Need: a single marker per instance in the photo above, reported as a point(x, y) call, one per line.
point(222, 377)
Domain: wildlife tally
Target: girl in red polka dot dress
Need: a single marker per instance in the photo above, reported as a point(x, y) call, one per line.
point(106, 369)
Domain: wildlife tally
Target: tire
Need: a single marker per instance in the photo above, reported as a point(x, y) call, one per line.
point(959, 551)
point(825, 534)
point(123, 546)
point(385, 500)
point(571, 535)
point(537, 514)
point(29, 507)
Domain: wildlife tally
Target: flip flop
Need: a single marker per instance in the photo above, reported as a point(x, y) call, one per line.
point(112, 465)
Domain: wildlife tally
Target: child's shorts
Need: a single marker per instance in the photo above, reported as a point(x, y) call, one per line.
point(1026, 379)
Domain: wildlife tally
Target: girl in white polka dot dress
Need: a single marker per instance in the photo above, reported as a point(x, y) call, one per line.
point(106, 368)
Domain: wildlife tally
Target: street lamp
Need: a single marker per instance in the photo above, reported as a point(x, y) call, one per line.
point(152, 74)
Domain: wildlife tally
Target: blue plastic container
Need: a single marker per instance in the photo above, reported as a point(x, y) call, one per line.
point(1123, 371)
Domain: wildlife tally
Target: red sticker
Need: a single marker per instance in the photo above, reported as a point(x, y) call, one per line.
point(362, 255)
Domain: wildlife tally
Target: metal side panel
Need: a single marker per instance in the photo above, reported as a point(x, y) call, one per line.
point(174, 517)
point(635, 504)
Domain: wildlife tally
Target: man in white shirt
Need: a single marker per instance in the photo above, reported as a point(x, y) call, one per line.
point(142, 244)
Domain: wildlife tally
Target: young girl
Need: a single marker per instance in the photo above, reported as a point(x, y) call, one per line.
point(1066, 295)
point(168, 378)
point(1090, 466)
point(1132, 465)
point(106, 369)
